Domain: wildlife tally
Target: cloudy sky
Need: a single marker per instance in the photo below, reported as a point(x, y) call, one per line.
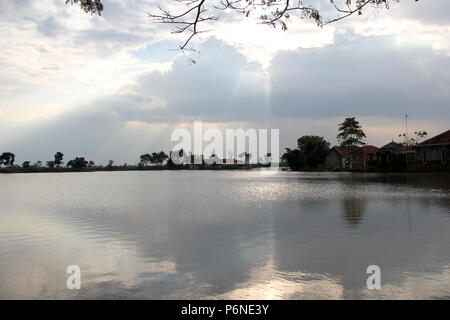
point(111, 87)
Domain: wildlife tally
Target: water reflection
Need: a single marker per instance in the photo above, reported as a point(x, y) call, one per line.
point(353, 210)
point(225, 235)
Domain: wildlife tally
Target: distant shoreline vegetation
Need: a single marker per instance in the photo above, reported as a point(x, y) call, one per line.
point(154, 161)
point(313, 153)
point(125, 167)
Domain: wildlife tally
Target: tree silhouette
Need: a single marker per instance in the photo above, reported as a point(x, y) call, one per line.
point(77, 163)
point(194, 13)
point(7, 159)
point(58, 159)
point(350, 133)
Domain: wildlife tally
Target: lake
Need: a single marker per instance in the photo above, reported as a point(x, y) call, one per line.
point(224, 235)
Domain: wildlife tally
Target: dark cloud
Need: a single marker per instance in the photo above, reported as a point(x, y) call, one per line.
point(429, 12)
point(365, 76)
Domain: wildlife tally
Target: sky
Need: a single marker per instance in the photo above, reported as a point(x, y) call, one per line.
point(113, 87)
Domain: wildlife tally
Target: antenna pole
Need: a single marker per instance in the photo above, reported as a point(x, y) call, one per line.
point(406, 121)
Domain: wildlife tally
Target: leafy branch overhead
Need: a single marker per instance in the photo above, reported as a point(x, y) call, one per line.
point(274, 13)
point(193, 13)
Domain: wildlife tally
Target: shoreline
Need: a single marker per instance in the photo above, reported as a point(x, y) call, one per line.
point(194, 168)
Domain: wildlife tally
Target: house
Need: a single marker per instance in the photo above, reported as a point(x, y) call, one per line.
point(351, 158)
point(392, 157)
point(434, 153)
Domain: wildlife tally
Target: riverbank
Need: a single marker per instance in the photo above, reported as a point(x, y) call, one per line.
point(10, 170)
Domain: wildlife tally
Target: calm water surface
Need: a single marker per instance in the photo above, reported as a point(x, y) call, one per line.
point(224, 234)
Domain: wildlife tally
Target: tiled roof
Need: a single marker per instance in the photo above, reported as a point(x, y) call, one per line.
point(440, 138)
point(369, 149)
point(393, 146)
point(347, 151)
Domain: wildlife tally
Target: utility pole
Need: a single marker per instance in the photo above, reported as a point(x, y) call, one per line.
point(406, 132)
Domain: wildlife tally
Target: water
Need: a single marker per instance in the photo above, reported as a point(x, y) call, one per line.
point(224, 235)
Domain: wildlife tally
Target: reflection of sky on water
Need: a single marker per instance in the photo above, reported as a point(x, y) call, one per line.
point(220, 234)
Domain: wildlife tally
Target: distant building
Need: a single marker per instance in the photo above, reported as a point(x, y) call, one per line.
point(229, 161)
point(434, 153)
point(392, 157)
point(351, 158)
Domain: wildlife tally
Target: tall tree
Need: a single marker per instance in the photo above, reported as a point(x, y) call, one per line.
point(58, 159)
point(350, 133)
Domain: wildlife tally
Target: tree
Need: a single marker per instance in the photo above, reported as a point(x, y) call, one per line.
point(294, 159)
point(50, 164)
point(350, 133)
point(412, 141)
point(110, 164)
point(7, 159)
point(315, 150)
point(89, 6)
point(77, 163)
point(145, 159)
point(270, 12)
point(37, 164)
point(311, 151)
point(58, 159)
point(158, 157)
point(26, 164)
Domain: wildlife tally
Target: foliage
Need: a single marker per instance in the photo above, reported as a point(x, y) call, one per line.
point(159, 157)
point(7, 159)
point(294, 159)
point(89, 6)
point(311, 151)
point(145, 159)
point(77, 163)
point(58, 159)
point(315, 150)
point(350, 133)
point(412, 141)
point(26, 164)
point(154, 158)
point(37, 164)
point(50, 164)
point(273, 13)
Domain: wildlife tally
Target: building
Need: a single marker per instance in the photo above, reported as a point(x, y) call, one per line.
point(392, 157)
point(434, 153)
point(351, 158)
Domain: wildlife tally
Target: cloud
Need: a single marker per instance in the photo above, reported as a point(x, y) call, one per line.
point(364, 76)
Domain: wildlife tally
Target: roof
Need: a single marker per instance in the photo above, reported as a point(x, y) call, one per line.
point(347, 151)
point(393, 146)
point(440, 138)
point(369, 149)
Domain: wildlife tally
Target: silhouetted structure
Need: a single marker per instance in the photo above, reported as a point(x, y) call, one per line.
point(351, 158)
point(392, 157)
